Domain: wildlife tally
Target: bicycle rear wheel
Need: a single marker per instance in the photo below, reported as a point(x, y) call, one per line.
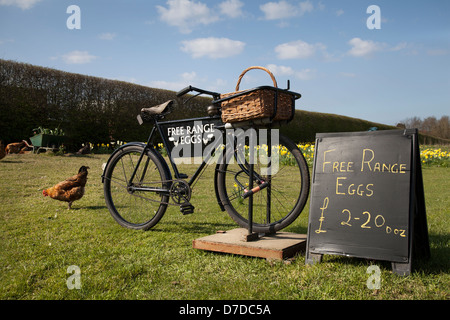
point(278, 205)
point(142, 202)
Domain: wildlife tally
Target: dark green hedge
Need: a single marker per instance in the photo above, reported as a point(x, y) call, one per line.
point(97, 110)
point(87, 109)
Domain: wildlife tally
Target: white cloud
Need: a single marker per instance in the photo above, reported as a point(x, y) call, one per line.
point(305, 74)
point(231, 8)
point(189, 76)
point(186, 14)
point(348, 74)
point(167, 85)
point(78, 57)
point(278, 71)
point(400, 46)
point(364, 48)
point(340, 12)
point(305, 6)
point(23, 4)
point(186, 78)
point(438, 52)
point(298, 50)
point(212, 47)
point(6, 41)
point(285, 10)
point(107, 36)
point(321, 6)
point(278, 10)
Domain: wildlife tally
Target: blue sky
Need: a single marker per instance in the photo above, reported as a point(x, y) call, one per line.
point(324, 47)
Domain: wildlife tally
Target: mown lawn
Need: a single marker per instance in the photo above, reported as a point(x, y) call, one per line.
point(40, 239)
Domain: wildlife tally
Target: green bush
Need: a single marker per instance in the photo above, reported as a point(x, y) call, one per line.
point(87, 109)
point(97, 110)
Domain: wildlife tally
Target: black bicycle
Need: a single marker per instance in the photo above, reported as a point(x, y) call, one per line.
point(260, 168)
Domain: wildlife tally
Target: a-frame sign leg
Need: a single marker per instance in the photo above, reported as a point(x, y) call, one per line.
point(313, 258)
point(419, 242)
point(402, 269)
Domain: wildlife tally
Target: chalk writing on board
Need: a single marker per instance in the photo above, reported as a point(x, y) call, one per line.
point(322, 218)
point(365, 161)
point(367, 198)
point(367, 223)
point(367, 164)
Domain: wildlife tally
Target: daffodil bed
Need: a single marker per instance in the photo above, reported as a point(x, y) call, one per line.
point(429, 155)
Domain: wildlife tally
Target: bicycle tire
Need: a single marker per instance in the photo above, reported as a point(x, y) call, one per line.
point(137, 210)
point(289, 189)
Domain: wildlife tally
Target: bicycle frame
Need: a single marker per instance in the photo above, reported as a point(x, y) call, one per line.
point(158, 127)
point(163, 128)
point(235, 153)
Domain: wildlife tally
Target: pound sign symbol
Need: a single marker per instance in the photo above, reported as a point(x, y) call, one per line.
point(325, 205)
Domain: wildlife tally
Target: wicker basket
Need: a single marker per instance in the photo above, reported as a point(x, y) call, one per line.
point(257, 103)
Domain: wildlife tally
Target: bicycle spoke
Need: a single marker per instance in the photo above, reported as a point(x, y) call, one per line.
point(288, 193)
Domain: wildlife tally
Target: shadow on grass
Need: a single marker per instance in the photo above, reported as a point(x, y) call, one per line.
point(193, 227)
point(11, 161)
point(438, 263)
point(94, 207)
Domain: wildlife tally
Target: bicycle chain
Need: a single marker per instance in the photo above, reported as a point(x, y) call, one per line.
point(170, 192)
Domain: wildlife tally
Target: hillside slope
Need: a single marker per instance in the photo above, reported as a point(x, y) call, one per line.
point(306, 124)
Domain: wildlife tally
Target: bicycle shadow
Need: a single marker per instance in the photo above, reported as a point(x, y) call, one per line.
point(11, 161)
point(194, 227)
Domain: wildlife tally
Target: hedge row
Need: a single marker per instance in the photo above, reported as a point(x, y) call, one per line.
point(97, 110)
point(87, 109)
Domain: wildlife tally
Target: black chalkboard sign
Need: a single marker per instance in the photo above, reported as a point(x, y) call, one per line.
point(367, 198)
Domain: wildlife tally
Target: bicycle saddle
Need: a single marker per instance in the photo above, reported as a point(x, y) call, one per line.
point(158, 110)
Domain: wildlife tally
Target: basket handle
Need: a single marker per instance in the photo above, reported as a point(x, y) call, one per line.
point(256, 67)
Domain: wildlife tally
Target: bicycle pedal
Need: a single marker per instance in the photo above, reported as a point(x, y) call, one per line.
point(187, 208)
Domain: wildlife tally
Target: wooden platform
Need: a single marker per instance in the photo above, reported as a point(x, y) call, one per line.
point(282, 245)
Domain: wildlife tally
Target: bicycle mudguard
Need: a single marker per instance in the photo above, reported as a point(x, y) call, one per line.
point(139, 144)
point(216, 172)
point(164, 163)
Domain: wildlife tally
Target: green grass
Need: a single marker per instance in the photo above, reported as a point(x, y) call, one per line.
point(40, 239)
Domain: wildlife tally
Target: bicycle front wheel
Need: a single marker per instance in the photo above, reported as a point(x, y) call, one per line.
point(137, 203)
point(276, 206)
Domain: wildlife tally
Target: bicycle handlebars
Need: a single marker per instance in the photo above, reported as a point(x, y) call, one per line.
point(182, 92)
point(188, 89)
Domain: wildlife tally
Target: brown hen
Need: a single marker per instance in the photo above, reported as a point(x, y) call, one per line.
point(69, 190)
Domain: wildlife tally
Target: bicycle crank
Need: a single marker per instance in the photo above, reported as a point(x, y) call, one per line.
point(180, 193)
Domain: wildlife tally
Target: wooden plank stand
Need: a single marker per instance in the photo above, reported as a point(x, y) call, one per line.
point(281, 245)
point(241, 241)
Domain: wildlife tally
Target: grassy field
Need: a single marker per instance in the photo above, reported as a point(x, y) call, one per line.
point(40, 239)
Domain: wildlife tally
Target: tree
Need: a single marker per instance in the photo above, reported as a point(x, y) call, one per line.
point(434, 127)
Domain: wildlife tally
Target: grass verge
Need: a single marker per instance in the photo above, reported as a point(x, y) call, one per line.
point(40, 239)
